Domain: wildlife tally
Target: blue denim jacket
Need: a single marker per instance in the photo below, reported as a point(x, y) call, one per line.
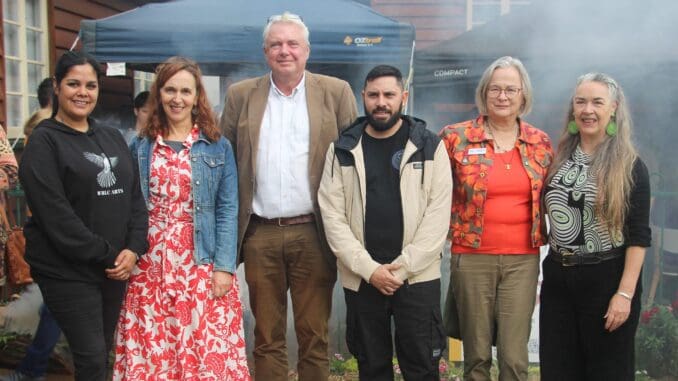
point(214, 188)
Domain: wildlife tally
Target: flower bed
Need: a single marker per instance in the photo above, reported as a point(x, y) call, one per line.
point(657, 341)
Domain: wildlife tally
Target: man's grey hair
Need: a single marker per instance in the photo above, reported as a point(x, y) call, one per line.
point(286, 17)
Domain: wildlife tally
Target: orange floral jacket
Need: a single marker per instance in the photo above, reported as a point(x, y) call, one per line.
point(470, 184)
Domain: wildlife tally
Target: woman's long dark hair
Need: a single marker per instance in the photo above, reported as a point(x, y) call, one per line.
point(64, 65)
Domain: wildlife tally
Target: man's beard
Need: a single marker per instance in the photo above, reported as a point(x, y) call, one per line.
point(383, 125)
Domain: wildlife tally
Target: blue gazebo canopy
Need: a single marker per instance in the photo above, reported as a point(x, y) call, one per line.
point(224, 34)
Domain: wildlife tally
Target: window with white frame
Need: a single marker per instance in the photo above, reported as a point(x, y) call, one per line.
point(143, 81)
point(478, 12)
point(26, 58)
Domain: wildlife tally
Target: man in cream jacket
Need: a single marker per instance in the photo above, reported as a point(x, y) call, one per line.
point(385, 201)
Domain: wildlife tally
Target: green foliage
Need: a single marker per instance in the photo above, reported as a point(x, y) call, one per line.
point(346, 369)
point(657, 342)
point(642, 377)
point(351, 365)
point(337, 364)
point(450, 370)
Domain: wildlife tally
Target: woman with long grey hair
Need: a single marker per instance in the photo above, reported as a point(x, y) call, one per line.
point(598, 201)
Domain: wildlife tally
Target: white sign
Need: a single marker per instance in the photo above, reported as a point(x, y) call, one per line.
point(114, 69)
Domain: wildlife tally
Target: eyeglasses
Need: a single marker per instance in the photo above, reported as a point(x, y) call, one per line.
point(495, 91)
point(284, 17)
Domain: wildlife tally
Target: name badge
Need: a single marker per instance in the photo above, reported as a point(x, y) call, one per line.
point(477, 151)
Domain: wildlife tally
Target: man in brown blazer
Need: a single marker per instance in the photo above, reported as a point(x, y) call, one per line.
point(280, 126)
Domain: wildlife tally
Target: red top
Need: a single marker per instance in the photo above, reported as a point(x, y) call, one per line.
point(507, 220)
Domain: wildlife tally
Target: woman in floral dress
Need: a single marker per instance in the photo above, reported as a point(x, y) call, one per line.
point(182, 317)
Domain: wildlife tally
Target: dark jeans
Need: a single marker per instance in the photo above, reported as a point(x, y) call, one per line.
point(87, 313)
point(574, 344)
point(47, 335)
point(419, 336)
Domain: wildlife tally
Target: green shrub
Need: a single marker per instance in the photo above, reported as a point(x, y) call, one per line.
point(657, 342)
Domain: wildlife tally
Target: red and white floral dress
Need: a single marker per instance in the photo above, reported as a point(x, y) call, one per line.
point(170, 327)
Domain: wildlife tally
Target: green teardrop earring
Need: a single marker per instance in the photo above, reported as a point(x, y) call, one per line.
point(611, 128)
point(572, 128)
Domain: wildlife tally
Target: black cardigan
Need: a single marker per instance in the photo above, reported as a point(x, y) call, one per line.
point(637, 225)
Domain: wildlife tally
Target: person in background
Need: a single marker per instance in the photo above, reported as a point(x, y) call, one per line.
point(280, 125)
point(34, 364)
point(8, 179)
point(182, 317)
point(45, 95)
point(598, 202)
point(141, 110)
point(8, 164)
point(499, 163)
point(89, 219)
point(389, 250)
point(141, 114)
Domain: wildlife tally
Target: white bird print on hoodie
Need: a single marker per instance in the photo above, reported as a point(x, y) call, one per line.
point(105, 178)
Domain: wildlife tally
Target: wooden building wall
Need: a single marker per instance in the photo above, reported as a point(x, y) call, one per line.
point(63, 17)
point(116, 92)
point(3, 108)
point(434, 20)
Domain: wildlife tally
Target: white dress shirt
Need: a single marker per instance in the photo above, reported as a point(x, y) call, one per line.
point(282, 184)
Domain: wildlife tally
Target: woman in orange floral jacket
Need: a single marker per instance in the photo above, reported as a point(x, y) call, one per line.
point(499, 163)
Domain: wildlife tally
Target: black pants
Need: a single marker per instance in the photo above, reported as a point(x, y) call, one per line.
point(573, 342)
point(87, 314)
point(419, 337)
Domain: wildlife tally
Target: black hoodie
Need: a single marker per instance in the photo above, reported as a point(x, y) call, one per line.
point(83, 190)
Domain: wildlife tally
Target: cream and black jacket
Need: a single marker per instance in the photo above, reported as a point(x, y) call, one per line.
point(426, 194)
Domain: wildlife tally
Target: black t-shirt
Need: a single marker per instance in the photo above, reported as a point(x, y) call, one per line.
point(383, 208)
point(176, 145)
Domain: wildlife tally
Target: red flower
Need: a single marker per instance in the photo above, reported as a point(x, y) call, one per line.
point(216, 362)
point(473, 134)
point(442, 366)
point(138, 372)
point(185, 237)
point(184, 313)
point(648, 315)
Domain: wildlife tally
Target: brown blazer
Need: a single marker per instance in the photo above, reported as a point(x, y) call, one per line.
point(331, 108)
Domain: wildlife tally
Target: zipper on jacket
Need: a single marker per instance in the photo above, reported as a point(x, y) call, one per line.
point(362, 208)
point(401, 171)
point(334, 156)
point(357, 176)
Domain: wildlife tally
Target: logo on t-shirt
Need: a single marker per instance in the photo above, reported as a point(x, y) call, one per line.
point(105, 178)
point(396, 159)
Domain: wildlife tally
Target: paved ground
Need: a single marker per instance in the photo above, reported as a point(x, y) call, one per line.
point(50, 377)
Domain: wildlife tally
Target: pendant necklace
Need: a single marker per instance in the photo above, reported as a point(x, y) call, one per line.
point(507, 165)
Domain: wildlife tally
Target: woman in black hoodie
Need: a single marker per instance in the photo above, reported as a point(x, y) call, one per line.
point(89, 219)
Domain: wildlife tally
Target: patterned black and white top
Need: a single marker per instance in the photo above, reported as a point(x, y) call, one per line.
point(570, 200)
